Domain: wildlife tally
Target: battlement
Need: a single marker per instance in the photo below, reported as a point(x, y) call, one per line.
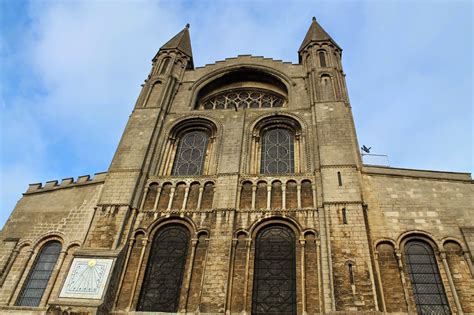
point(247, 56)
point(66, 183)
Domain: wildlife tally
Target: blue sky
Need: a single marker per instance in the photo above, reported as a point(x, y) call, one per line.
point(71, 71)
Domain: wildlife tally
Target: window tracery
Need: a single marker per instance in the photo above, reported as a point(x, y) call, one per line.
point(190, 154)
point(39, 276)
point(242, 98)
point(276, 146)
point(190, 149)
point(277, 155)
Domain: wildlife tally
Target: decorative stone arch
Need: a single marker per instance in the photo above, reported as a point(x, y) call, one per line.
point(241, 231)
point(178, 130)
point(24, 243)
point(423, 235)
point(227, 69)
point(252, 149)
point(72, 244)
point(386, 241)
point(160, 222)
point(138, 231)
point(452, 239)
point(276, 219)
point(307, 232)
point(46, 237)
point(203, 232)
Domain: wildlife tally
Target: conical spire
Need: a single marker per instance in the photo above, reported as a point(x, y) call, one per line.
point(316, 34)
point(181, 42)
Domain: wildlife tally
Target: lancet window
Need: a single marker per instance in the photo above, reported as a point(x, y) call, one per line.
point(39, 276)
point(427, 285)
point(165, 269)
point(274, 284)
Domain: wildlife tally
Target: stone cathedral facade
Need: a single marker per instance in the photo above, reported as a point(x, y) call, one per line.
point(238, 188)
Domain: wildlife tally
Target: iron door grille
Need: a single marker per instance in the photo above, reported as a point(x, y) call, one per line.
point(274, 285)
point(164, 271)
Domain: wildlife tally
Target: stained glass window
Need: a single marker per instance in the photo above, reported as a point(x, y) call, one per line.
point(38, 279)
point(277, 152)
point(274, 284)
point(427, 285)
point(164, 272)
point(190, 153)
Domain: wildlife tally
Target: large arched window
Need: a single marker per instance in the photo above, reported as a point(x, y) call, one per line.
point(190, 154)
point(274, 283)
point(38, 278)
point(276, 146)
point(164, 272)
point(277, 155)
point(190, 149)
point(426, 281)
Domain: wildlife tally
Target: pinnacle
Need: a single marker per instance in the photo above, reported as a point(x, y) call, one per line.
point(316, 34)
point(181, 42)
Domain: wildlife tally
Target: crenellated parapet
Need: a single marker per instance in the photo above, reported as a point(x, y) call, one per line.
point(66, 183)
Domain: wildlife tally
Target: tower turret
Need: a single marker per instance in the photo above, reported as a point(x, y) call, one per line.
point(177, 49)
point(169, 65)
point(321, 56)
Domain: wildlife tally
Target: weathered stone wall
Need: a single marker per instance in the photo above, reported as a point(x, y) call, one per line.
point(61, 212)
point(349, 220)
point(428, 205)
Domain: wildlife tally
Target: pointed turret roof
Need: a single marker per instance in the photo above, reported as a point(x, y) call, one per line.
point(316, 34)
point(181, 42)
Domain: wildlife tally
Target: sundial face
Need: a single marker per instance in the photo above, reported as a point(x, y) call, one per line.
point(87, 278)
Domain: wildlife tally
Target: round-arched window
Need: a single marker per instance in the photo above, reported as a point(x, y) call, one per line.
point(190, 153)
point(277, 151)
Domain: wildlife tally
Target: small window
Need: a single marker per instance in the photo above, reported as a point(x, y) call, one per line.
point(344, 216)
point(339, 178)
point(38, 278)
point(322, 59)
point(164, 67)
point(351, 273)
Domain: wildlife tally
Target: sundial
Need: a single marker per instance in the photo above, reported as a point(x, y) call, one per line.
point(87, 278)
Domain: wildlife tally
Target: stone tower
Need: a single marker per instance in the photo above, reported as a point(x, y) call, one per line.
point(238, 188)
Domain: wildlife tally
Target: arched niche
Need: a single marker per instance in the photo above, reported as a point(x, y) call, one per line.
point(242, 88)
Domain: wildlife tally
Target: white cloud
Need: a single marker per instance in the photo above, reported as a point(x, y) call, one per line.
point(80, 66)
